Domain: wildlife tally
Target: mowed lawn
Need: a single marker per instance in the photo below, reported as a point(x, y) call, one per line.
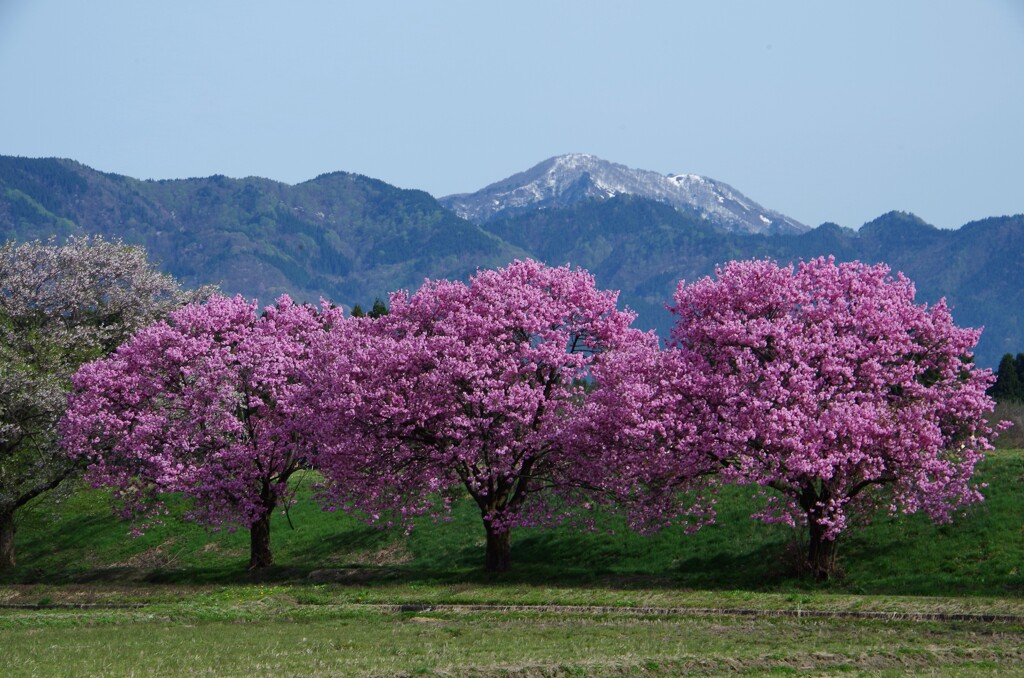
point(347, 599)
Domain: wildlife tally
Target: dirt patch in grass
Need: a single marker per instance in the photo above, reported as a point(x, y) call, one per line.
point(219, 549)
point(155, 557)
point(345, 575)
point(96, 595)
point(392, 553)
point(595, 610)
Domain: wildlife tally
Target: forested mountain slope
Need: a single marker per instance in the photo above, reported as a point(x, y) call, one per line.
point(343, 236)
point(350, 238)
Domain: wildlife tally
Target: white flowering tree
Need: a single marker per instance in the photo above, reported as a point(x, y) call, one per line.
point(60, 306)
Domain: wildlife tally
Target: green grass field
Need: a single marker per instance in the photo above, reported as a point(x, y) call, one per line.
point(266, 632)
point(347, 599)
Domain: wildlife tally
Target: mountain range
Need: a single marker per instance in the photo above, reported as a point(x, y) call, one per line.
point(350, 238)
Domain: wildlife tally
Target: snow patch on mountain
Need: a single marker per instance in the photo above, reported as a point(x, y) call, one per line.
point(568, 179)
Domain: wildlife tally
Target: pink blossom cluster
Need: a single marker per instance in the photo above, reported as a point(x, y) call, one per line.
point(200, 404)
point(465, 388)
point(647, 433)
point(833, 382)
point(527, 389)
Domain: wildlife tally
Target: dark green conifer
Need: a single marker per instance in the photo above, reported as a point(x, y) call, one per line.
point(1009, 385)
point(379, 308)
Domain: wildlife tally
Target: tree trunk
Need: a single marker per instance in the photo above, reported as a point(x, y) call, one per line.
point(259, 543)
point(499, 550)
point(7, 530)
point(821, 552)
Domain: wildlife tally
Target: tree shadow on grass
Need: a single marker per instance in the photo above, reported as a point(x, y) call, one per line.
point(78, 537)
point(892, 559)
point(340, 547)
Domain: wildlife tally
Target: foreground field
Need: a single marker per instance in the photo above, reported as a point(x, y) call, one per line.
point(346, 599)
point(323, 630)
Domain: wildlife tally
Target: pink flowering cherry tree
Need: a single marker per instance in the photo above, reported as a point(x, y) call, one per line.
point(201, 404)
point(651, 432)
point(466, 388)
point(840, 391)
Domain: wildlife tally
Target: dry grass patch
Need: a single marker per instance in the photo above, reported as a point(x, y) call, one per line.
point(391, 553)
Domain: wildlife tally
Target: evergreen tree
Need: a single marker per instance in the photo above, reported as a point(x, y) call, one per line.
point(379, 308)
point(1009, 385)
point(358, 312)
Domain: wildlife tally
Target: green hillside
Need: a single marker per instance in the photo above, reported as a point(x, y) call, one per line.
point(75, 538)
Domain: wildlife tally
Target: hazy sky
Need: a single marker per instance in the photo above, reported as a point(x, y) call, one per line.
point(825, 111)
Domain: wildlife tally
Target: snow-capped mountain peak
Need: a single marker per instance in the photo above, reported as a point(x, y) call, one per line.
point(568, 179)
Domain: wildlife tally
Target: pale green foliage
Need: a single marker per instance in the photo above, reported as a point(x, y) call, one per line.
point(60, 306)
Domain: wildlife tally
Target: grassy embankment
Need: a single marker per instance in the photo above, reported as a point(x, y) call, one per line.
point(328, 606)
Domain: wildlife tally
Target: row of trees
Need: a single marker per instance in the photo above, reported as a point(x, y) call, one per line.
point(823, 386)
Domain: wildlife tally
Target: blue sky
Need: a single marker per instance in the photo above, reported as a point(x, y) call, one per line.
point(824, 111)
